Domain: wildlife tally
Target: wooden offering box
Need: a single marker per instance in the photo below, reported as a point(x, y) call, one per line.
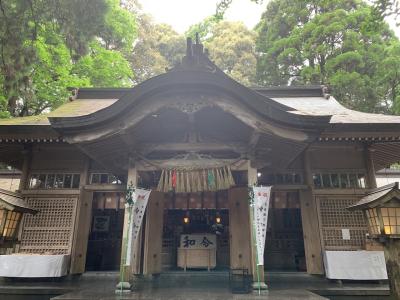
point(197, 251)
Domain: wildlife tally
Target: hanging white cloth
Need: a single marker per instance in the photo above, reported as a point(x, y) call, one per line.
point(135, 215)
point(262, 197)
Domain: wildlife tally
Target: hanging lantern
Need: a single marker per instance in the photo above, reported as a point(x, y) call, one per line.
point(381, 207)
point(186, 218)
point(382, 211)
point(12, 207)
point(218, 218)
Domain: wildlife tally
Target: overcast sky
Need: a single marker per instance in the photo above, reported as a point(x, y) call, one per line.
point(183, 13)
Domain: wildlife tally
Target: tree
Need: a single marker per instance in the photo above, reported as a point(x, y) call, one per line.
point(103, 68)
point(119, 29)
point(42, 40)
point(232, 47)
point(389, 76)
point(385, 8)
point(20, 25)
point(338, 43)
point(204, 28)
point(50, 74)
point(157, 48)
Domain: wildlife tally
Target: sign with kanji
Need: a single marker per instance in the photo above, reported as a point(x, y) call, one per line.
point(198, 241)
point(137, 209)
point(262, 196)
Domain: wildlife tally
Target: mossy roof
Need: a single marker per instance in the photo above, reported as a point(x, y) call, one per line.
point(78, 107)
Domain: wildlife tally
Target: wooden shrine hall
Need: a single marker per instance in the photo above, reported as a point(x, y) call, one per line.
point(171, 134)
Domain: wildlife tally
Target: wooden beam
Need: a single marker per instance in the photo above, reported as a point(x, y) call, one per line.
point(26, 164)
point(369, 165)
point(251, 148)
point(106, 187)
point(145, 149)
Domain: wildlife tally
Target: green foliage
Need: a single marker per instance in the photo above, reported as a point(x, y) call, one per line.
point(386, 8)
point(45, 42)
point(104, 68)
point(157, 48)
point(204, 28)
point(51, 73)
point(232, 47)
point(4, 113)
point(119, 30)
point(338, 43)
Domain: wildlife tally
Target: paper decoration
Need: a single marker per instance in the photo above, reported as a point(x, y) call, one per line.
point(346, 234)
point(174, 179)
point(260, 205)
point(137, 209)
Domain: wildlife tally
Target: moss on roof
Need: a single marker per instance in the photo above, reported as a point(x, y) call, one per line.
point(75, 108)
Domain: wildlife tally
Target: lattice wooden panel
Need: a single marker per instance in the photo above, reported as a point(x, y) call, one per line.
point(334, 217)
point(51, 230)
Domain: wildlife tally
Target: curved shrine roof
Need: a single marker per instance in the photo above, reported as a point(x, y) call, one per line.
point(303, 107)
point(91, 100)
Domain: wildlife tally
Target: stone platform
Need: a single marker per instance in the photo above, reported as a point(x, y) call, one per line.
point(189, 285)
point(185, 286)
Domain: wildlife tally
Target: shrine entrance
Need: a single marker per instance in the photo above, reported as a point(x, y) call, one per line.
point(105, 233)
point(284, 245)
point(196, 231)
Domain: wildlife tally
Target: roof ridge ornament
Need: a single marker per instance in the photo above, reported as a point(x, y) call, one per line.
point(196, 57)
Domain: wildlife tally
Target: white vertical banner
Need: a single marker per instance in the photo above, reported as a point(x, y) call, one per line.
point(135, 215)
point(262, 196)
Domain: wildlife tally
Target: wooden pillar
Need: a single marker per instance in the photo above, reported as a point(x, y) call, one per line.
point(369, 166)
point(82, 224)
point(153, 234)
point(27, 155)
point(24, 182)
point(257, 271)
point(127, 267)
point(310, 222)
point(239, 228)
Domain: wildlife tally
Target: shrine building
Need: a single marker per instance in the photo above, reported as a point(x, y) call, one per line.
point(197, 139)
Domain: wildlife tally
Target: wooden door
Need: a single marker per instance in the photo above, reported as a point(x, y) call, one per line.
point(153, 234)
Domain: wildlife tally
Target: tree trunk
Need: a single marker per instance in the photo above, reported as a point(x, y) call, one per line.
point(12, 105)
